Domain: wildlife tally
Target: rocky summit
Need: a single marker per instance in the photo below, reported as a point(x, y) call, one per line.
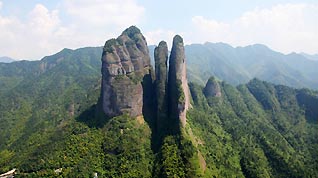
point(212, 88)
point(161, 59)
point(125, 62)
point(53, 123)
point(178, 85)
point(125, 67)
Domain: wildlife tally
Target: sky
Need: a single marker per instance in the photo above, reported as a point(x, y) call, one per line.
point(32, 29)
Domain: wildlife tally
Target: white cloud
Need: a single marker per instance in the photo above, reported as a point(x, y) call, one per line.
point(73, 24)
point(285, 27)
point(32, 39)
point(84, 23)
point(43, 21)
point(104, 12)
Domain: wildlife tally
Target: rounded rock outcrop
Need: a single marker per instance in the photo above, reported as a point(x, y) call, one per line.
point(125, 62)
point(212, 88)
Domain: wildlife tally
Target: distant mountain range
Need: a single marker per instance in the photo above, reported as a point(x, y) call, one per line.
point(311, 57)
point(51, 124)
point(6, 59)
point(233, 65)
point(241, 64)
point(16, 73)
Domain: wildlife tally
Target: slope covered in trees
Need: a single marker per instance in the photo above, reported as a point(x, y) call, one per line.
point(256, 130)
point(50, 125)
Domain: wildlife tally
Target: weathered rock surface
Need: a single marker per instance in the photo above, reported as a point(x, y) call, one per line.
point(127, 80)
point(125, 62)
point(179, 98)
point(212, 88)
point(161, 59)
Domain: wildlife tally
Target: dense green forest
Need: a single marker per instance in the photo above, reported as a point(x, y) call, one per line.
point(256, 130)
point(49, 120)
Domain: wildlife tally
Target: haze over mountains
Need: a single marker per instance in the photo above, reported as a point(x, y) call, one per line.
point(312, 57)
point(108, 111)
point(6, 59)
point(241, 64)
point(233, 65)
point(190, 89)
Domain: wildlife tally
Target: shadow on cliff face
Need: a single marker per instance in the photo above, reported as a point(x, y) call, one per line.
point(308, 101)
point(166, 126)
point(93, 117)
point(148, 109)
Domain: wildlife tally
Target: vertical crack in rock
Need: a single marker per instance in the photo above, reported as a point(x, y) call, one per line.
point(179, 99)
point(125, 62)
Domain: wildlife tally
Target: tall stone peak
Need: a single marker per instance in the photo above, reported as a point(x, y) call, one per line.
point(179, 98)
point(131, 31)
point(177, 40)
point(127, 53)
point(125, 62)
point(176, 60)
point(212, 88)
point(161, 59)
point(126, 70)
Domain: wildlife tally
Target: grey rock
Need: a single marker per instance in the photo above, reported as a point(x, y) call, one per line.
point(161, 58)
point(125, 62)
point(179, 98)
point(212, 88)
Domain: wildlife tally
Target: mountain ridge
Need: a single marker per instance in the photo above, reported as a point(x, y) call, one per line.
point(293, 70)
point(6, 59)
point(310, 56)
point(51, 124)
point(249, 62)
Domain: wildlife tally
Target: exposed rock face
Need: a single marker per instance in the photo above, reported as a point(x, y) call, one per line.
point(125, 62)
point(161, 58)
point(127, 80)
point(179, 98)
point(212, 88)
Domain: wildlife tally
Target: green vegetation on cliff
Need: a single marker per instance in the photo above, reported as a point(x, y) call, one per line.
point(257, 130)
point(50, 126)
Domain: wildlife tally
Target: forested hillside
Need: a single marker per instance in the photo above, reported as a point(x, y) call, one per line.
point(49, 120)
point(256, 130)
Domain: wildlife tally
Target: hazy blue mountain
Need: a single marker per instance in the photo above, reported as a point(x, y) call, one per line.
point(6, 59)
point(309, 56)
point(233, 65)
point(241, 64)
